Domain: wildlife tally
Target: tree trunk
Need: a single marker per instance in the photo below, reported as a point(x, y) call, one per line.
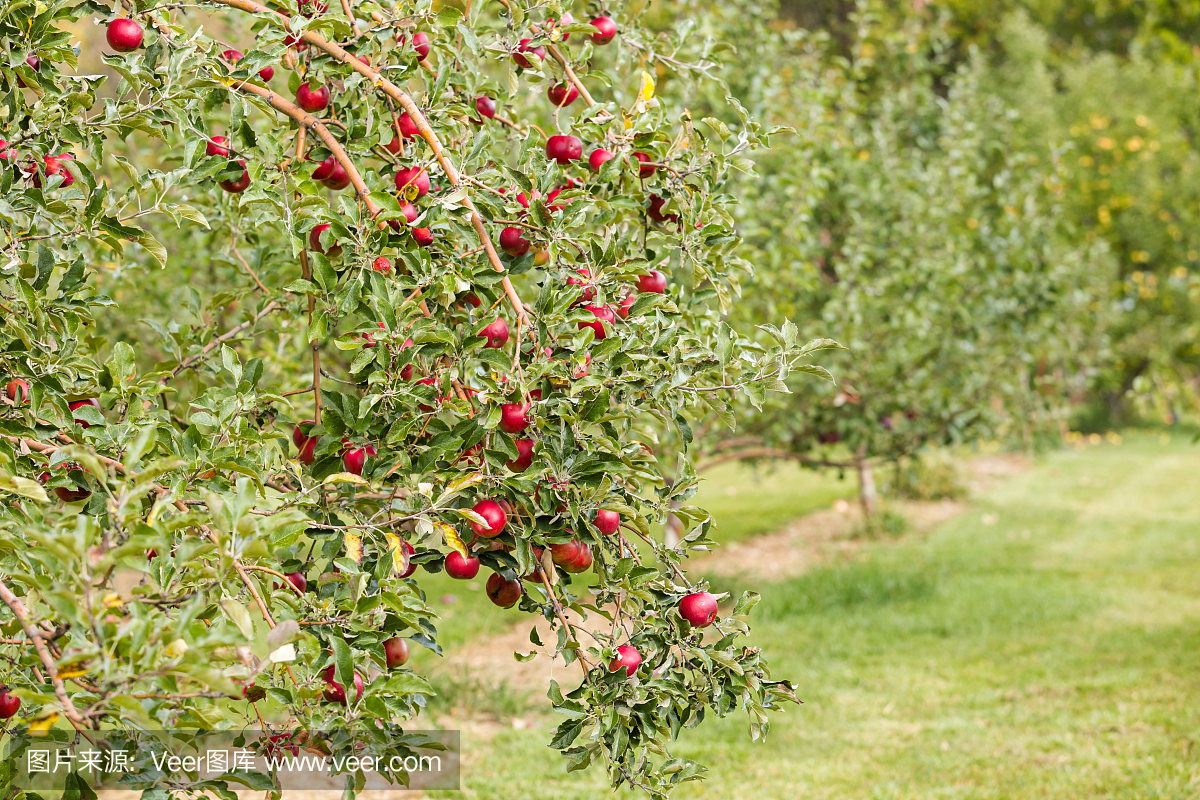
point(867, 495)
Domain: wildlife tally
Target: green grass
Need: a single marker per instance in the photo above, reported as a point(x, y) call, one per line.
point(1054, 653)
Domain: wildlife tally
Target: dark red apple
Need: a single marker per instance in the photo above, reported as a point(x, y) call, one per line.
point(626, 304)
point(335, 692)
point(217, 146)
point(504, 593)
point(312, 100)
point(421, 45)
point(645, 169)
point(525, 456)
point(494, 516)
point(602, 314)
point(655, 211)
point(80, 404)
point(34, 62)
point(514, 417)
point(354, 460)
point(460, 567)
point(598, 157)
point(314, 241)
point(124, 35)
point(9, 703)
point(606, 29)
point(395, 652)
point(607, 522)
point(325, 169)
point(408, 128)
point(564, 553)
point(628, 658)
point(413, 176)
point(654, 283)
point(53, 165)
point(589, 289)
point(562, 95)
point(241, 184)
point(300, 432)
point(486, 106)
point(523, 47)
point(496, 333)
point(308, 451)
point(699, 609)
point(298, 580)
point(564, 149)
point(582, 561)
point(338, 179)
point(381, 265)
point(513, 243)
point(422, 236)
point(17, 391)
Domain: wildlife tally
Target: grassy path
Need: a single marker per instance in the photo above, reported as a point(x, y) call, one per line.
point(1044, 644)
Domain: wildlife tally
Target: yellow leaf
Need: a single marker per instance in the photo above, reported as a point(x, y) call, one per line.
point(346, 477)
point(354, 546)
point(452, 539)
point(43, 724)
point(399, 557)
point(647, 92)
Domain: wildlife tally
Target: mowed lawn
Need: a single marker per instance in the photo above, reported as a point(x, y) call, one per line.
point(1045, 644)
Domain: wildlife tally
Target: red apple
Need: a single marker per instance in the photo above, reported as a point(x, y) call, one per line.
point(700, 609)
point(53, 165)
point(460, 567)
point(562, 95)
point(335, 692)
point(34, 62)
point(564, 553)
point(241, 184)
point(654, 283)
point(266, 73)
point(308, 451)
point(628, 658)
point(124, 35)
point(589, 289)
point(9, 703)
point(514, 417)
point(17, 391)
point(607, 522)
point(338, 179)
point(395, 652)
point(413, 176)
point(325, 169)
point(217, 146)
point(602, 314)
point(626, 304)
point(523, 47)
point(408, 552)
point(298, 580)
point(486, 106)
point(408, 128)
point(564, 149)
point(598, 157)
point(513, 243)
point(422, 236)
point(299, 433)
point(496, 333)
point(655, 212)
point(354, 460)
point(645, 170)
point(525, 456)
point(421, 45)
point(495, 517)
point(312, 100)
point(80, 404)
point(606, 29)
point(566, 20)
point(582, 561)
point(381, 265)
point(314, 241)
point(504, 593)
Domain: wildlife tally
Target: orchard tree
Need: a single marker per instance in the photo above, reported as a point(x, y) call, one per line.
point(420, 312)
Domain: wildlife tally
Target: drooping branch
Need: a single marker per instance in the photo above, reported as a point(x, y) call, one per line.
point(60, 691)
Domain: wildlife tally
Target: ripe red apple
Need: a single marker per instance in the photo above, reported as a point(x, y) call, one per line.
point(300, 432)
point(562, 95)
point(461, 568)
point(298, 580)
point(566, 20)
point(354, 460)
point(314, 241)
point(217, 146)
point(80, 404)
point(9, 703)
point(570, 184)
point(395, 652)
point(582, 561)
point(53, 165)
point(606, 29)
point(514, 417)
point(325, 169)
point(381, 265)
point(645, 169)
point(628, 658)
point(523, 47)
point(34, 62)
point(17, 391)
point(700, 609)
point(408, 128)
point(564, 553)
point(626, 304)
point(421, 45)
point(602, 314)
point(486, 106)
point(65, 493)
point(655, 211)
point(422, 236)
point(266, 73)
point(564, 149)
point(494, 514)
point(241, 184)
point(654, 283)
point(413, 176)
point(504, 593)
point(312, 100)
point(339, 179)
point(470, 297)
point(524, 456)
point(335, 692)
point(124, 35)
point(589, 289)
point(496, 333)
point(513, 243)
point(408, 552)
point(607, 522)
point(308, 451)
point(598, 157)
